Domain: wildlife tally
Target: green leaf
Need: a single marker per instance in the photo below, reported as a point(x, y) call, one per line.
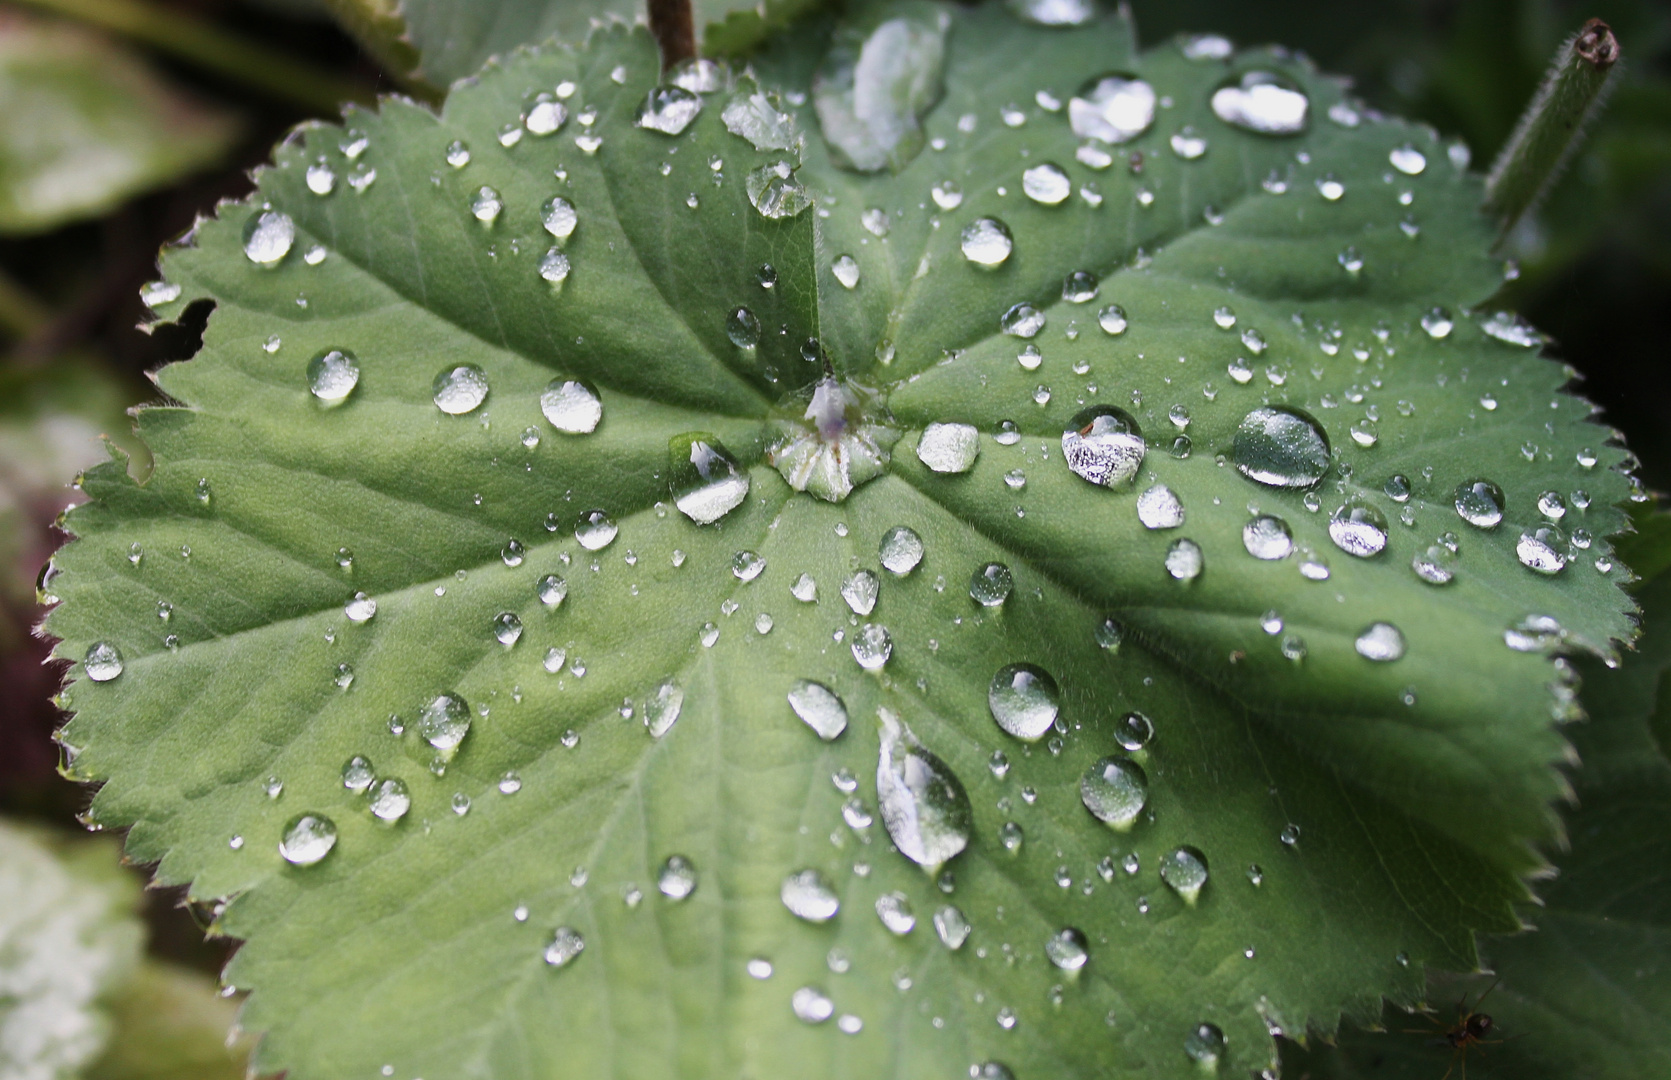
point(88, 124)
point(68, 940)
point(1411, 792)
point(1589, 992)
point(434, 43)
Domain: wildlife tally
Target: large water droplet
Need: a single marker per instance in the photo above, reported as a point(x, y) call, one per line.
point(1133, 731)
point(507, 628)
point(808, 896)
point(1104, 445)
point(459, 389)
point(1184, 560)
point(1115, 108)
point(595, 530)
point(1479, 503)
point(1185, 870)
point(1408, 160)
point(668, 109)
point(1115, 790)
point(1543, 549)
point(949, 448)
point(332, 375)
point(677, 878)
point(566, 945)
point(1381, 642)
point(1268, 537)
point(559, 217)
point(923, 803)
point(268, 236)
point(1438, 323)
point(706, 480)
point(103, 662)
point(1358, 528)
point(1263, 102)
point(1159, 508)
point(987, 242)
point(894, 909)
point(545, 116)
point(872, 645)
point(443, 723)
point(901, 550)
point(661, 709)
point(1024, 700)
point(952, 927)
point(1046, 184)
point(1282, 447)
point(819, 707)
point(747, 565)
point(776, 192)
point(571, 406)
point(390, 800)
point(871, 93)
point(1068, 949)
point(307, 839)
point(361, 608)
point(991, 585)
point(486, 205)
point(1022, 321)
point(357, 774)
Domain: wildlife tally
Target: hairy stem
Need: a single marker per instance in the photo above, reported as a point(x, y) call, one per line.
point(675, 30)
point(1553, 124)
point(261, 69)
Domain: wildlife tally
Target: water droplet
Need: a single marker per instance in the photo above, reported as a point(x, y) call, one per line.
point(1104, 445)
point(458, 155)
point(307, 839)
point(1112, 319)
point(507, 628)
point(332, 375)
point(949, 448)
point(1381, 642)
point(1479, 503)
point(952, 927)
point(1185, 870)
point(1358, 528)
point(987, 242)
point(360, 609)
point(1330, 187)
point(668, 109)
point(1011, 836)
point(571, 406)
point(923, 803)
point(661, 709)
point(1184, 559)
point(595, 530)
point(819, 707)
point(1268, 537)
point(1022, 321)
point(389, 800)
point(1159, 508)
point(555, 657)
point(559, 217)
point(544, 117)
point(1263, 102)
point(1079, 287)
point(1068, 949)
point(357, 774)
point(443, 723)
point(552, 590)
point(677, 878)
point(1046, 184)
point(894, 909)
point(1187, 144)
point(812, 1005)
point(459, 389)
point(901, 550)
point(872, 645)
point(860, 590)
point(1438, 323)
point(706, 481)
point(1542, 549)
point(157, 293)
point(566, 945)
point(1282, 447)
point(1436, 565)
point(320, 179)
point(776, 192)
point(267, 237)
point(991, 585)
point(1408, 160)
point(486, 205)
point(1115, 108)
point(103, 662)
point(1205, 1046)
point(1115, 790)
point(808, 896)
point(846, 270)
point(746, 565)
point(1511, 329)
point(1024, 700)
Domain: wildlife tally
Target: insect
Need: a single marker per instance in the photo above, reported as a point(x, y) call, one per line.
point(1470, 1028)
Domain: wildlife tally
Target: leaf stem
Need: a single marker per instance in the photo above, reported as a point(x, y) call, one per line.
point(675, 30)
point(1553, 125)
point(212, 49)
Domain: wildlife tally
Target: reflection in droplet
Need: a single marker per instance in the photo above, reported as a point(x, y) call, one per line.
point(307, 839)
point(1115, 790)
point(1358, 528)
point(987, 242)
point(458, 390)
point(1480, 503)
point(923, 803)
point(1104, 445)
point(819, 707)
point(1024, 700)
point(1281, 446)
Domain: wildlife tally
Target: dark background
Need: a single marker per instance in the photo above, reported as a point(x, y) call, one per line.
point(1595, 261)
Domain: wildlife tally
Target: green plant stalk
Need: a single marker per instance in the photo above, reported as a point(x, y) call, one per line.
point(216, 51)
point(1553, 125)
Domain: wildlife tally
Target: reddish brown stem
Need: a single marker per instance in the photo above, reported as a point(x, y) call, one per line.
point(675, 30)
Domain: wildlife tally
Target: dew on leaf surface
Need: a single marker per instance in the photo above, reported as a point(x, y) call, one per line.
point(668, 109)
point(1435, 564)
point(1011, 836)
point(103, 662)
point(1438, 323)
point(307, 839)
point(1281, 446)
point(1046, 184)
point(457, 155)
point(1159, 508)
point(819, 707)
point(952, 926)
point(846, 270)
point(321, 180)
point(552, 590)
point(1479, 503)
point(268, 237)
point(390, 800)
point(894, 909)
point(1205, 1046)
point(987, 242)
point(1542, 549)
point(1358, 528)
point(1263, 102)
point(662, 708)
point(544, 117)
point(1113, 320)
point(1055, 12)
point(1115, 790)
point(486, 205)
point(1024, 700)
point(872, 646)
point(1133, 731)
point(746, 565)
point(1511, 329)
point(707, 482)
point(811, 1005)
point(1184, 559)
point(559, 217)
point(357, 774)
point(332, 375)
point(1408, 160)
point(808, 896)
point(361, 608)
point(990, 585)
point(1380, 641)
point(901, 550)
point(443, 722)
point(1068, 949)
point(677, 878)
point(595, 530)
point(924, 805)
point(1185, 870)
point(566, 946)
point(1022, 321)
point(949, 448)
point(1104, 445)
point(775, 191)
point(860, 590)
point(1205, 47)
point(507, 628)
point(571, 406)
point(1188, 144)
point(459, 389)
point(1115, 108)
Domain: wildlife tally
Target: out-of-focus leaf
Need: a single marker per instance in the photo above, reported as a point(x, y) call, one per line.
point(68, 939)
point(170, 1024)
point(85, 124)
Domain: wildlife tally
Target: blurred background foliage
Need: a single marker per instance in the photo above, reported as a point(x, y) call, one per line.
point(122, 121)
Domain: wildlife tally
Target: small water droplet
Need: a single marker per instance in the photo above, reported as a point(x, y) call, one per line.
point(808, 896)
point(320, 179)
point(1067, 949)
point(677, 878)
point(1542, 549)
point(668, 109)
point(595, 530)
point(1205, 1046)
point(307, 839)
point(860, 590)
point(1103, 445)
point(1408, 160)
point(872, 646)
point(819, 707)
point(812, 1005)
point(103, 662)
point(776, 192)
point(949, 448)
point(332, 375)
point(1046, 184)
point(706, 481)
point(1184, 559)
point(460, 389)
point(894, 909)
point(1438, 323)
point(507, 628)
point(390, 800)
point(1113, 320)
point(566, 945)
point(1159, 508)
point(901, 550)
point(1185, 870)
point(1133, 731)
